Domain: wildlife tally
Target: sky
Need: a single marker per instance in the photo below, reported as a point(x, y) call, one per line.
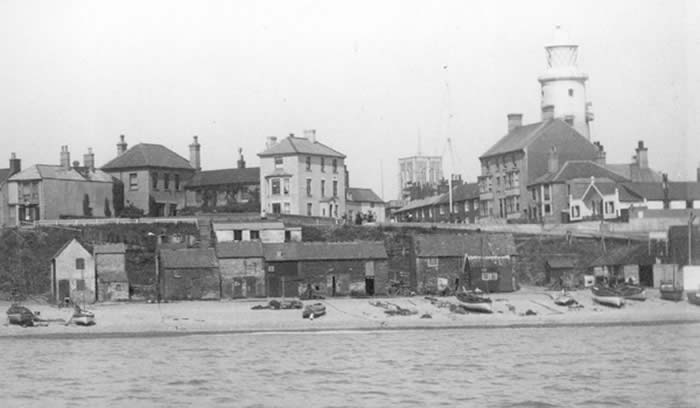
point(378, 80)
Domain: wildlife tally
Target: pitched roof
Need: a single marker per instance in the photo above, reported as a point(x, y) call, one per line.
point(148, 155)
point(56, 172)
point(292, 145)
point(677, 190)
point(631, 255)
point(421, 203)
point(522, 136)
point(364, 195)
point(243, 249)
point(463, 192)
point(188, 258)
point(575, 169)
point(110, 249)
point(320, 251)
point(560, 262)
point(68, 243)
point(633, 172)
point(439, 245)
point(248, 175)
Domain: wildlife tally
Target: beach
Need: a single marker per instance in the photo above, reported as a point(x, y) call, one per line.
point(528, 307)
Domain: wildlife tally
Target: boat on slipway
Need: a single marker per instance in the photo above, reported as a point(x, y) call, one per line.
point(632, 292)
point(669, 291)
point(313, 311)
point(475, 303)
point(607, 296)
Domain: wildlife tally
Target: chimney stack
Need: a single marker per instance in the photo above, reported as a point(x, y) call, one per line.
point(514, 120)
point(311, 135)
point(271, 141)
point(347, 177)
point(121, 146)
point(16, 164)
point(600, 157)
point(241, 160)
point(89, 159)
point(195, 157)
point(641, 158)
point(553, 160)
point(65, 157)
point(547, 112)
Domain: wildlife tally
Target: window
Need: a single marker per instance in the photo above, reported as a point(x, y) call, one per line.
point(323, 188)
point(335, 165)
point(571, 92)
point(80, 284)
point(534, 194)
point(279, 162)
point(275, 186)
point(308, 163)
point(177, 182)
point(547, 209)
point(133, 181)
point(79, 263)
point(285, 186)
point(166, 181)
point(575, 211)
point(276, 208)
point(237, 235)
point(309, 207)
point(323, 164)
point(154, 180)
point(335, 188)
point(547, 192)
point(610, 207)
point(287, 207)
point(308, 187)
point(432, 262)
point(489, 276)
point(287, 236)
point(254, 234)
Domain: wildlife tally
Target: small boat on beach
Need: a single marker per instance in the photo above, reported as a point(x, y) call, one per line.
point(83, 318)
point(693, 298)
point(632, 292)
point(313, 311)
point(564, 299)
point(671, 292)
point(20, 315)
point(607, 296)
point(475, 303)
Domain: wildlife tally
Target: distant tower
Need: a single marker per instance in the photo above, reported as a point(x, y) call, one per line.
point(564, 85)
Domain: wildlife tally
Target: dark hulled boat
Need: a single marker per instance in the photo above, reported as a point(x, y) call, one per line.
point(20, 315)
point(671, 292)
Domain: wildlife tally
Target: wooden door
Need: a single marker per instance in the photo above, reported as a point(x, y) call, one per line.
point(63, 289)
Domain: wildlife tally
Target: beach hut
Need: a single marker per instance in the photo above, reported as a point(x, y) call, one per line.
point(73, 274)
point(242, 269)
point(559, 268)
point(110, 271)
point(189, 274)
point(453, 261)
point(631, 263)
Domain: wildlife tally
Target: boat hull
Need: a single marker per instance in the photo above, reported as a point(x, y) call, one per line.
point(20, 319)
point(313, 311)
point(614, 301)
point(478, 307)
point(675, 295)
point(564, 301)
point(84, 319)
point(693, 298)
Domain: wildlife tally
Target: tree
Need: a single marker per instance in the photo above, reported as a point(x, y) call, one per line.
point(117, 196)
point(87, 211)
point(108, 211)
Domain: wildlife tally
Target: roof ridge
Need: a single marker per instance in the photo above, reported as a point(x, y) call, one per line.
point(291, 143)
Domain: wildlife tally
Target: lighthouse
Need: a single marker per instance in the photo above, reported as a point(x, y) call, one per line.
point(564, 85)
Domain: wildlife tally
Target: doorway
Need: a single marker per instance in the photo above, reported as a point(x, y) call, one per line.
point(369, 285)
point(63, 290)
point(646, 275)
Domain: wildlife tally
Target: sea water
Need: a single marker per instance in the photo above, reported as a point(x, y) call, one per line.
point(625, 366)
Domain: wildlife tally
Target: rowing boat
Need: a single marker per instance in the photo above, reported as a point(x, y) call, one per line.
point(607, 296)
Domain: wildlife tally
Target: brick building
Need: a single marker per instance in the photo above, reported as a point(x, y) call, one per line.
point(242, 269)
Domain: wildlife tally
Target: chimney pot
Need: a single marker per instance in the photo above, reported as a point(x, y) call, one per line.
point(642, 157)
point(271, 141)
point(121, 146)
point(514, 120)
point(15, 164)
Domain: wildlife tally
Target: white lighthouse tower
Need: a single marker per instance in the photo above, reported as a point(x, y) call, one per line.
point(564, 85)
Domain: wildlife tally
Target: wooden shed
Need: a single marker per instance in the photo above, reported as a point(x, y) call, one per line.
point(242, 269)
point(110, 271)
point(189, 274)
point(557, 268)
point(629, 263)
point(73, 274)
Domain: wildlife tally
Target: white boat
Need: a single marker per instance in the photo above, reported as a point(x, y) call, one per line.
point(475, 303)
point(607, 296)
point(83, 318)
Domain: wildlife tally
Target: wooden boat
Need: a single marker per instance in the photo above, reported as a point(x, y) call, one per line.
point(693, 298)
point(475, 303)
point(670, 292)
point(20, 315)
point(83, 318)
point(313, 311)
point(607, 296)
point(565, 299)
point(632, 292)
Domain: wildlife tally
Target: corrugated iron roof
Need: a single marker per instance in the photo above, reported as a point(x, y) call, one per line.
point(363, 195)
point(442, 245)
point(188, 258)
point(148, 155)
point(308, 251)
point(248, 175)
point(243, 249)
point(292, 145)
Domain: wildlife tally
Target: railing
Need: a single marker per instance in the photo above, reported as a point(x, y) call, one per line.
point(103, 221)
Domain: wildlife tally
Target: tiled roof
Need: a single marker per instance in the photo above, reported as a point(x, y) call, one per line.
point(55, 172)
point(86, 247)
point(439, 245)
point(517, 139)
point(575, 169)
point(148, 155)
point(248, 175)
point(364, 195)
point(634, 173)
point(463, 192)
point(320, 251)
point(244, 249)
point(630, 255)
point(292, 145)
point(188, 258)
point(423, 202)
point(110, 249)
